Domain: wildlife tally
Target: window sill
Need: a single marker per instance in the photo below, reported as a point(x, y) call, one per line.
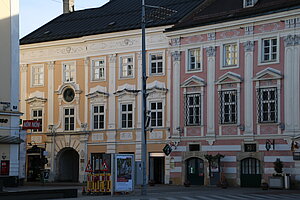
point(96, 81)
point(267, 123)
point(126, 77)
point(229, 67)
point(262, 63)
point(188, 71)
point(36, 86)
point(158, 74)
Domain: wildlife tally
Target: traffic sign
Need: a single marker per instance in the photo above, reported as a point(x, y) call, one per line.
point(104, 167)
point(88, 167)
point(167, 149)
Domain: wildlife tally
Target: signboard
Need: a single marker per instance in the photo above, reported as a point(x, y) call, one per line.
point(31, 124)
point(104, 167)
point(124, 172)
point(88, 167)
point(167, 149)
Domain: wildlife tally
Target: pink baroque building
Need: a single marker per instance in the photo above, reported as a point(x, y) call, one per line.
point(235, 92)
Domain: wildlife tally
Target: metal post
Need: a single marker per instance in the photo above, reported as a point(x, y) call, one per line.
point(144, 137)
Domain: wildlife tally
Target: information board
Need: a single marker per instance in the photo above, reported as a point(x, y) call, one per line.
point(124, 172)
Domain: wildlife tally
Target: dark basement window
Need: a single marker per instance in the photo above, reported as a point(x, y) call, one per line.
point(194, 147)
point(250, 147)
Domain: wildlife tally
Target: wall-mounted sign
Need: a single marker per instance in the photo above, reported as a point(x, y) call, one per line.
point(31, 124)
point(3, 121)
point(124, 172)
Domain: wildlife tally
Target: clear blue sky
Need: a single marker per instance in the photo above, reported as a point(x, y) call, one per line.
point(35, 13)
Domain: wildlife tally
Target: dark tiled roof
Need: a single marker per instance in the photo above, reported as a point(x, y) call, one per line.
point(217, 11)
point(116, 15)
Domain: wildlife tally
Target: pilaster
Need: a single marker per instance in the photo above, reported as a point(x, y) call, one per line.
point(86, 88)
point(248, 114)
point(51, 67)
point(23, 91)
point(211, 65)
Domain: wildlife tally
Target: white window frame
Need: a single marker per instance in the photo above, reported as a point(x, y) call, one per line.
point(260, 50)
point(246, 5)
point(156, 61)
point(188, 60)
point(223, 104)
point(69, 116)
point(186, 107)
point(40, 74)
point(232, 58)
point(260, 105)
point(98, 114)
point(121, 66)
point(156, 111)
point(100, 67)
point(73, 64)
point(37, 118)
point(223, 66)
point(126, 112)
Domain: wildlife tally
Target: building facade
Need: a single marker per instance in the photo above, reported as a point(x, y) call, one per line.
point(85, 89)
point(237, 91)
point(12, 161)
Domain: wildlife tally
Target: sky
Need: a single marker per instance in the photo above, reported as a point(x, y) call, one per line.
point(35, 13)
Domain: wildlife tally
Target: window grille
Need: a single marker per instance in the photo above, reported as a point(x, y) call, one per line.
point(228, 107)
point(192, 110)
point(267, 105)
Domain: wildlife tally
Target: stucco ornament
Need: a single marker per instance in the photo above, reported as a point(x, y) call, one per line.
point(176, 55)
point(249, 46)
point(292, 40)
point(211, 51)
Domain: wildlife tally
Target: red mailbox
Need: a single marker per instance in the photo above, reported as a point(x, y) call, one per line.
point(4, 167)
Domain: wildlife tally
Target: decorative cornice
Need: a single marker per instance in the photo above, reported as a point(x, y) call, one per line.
point(198, 82)
point(211, 51)
point(211, 36)
point(126, 91)
point(176, 55)
point(249, 46)
point(66, 85)
point(235, 78)
point(36, 99)
point(97, 94)
point(292, 40)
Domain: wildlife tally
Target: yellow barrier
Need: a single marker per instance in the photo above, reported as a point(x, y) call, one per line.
point(98, 183)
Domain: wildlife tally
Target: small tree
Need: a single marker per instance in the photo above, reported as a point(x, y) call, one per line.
point(278, 165)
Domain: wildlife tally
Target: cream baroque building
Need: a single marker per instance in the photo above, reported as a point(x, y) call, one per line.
point(85, 89)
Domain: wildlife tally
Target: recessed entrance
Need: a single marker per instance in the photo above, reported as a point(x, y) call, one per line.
point(250, 173)
point(68, 165)
point(157, 169)
point(35, 163)
point(195, 171)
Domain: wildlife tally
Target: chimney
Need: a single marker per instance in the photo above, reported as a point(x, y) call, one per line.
point(68, 6)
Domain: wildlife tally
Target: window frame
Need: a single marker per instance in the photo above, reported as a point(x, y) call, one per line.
point(41, 75)
point(38, 118)
point(98, 114)
point(69, 117)
point(93, 68)
point(73, 64)
point(232, 58)
point(187, 108)
point(127, 114)
point(246, 3)
point(121, 66)
point(260, 103)
point(261, 60)
point(188, 60)
point(222, 104)
point(156, 115)
point(156, 61)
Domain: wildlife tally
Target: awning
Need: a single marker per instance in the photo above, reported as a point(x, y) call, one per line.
point(10, 140)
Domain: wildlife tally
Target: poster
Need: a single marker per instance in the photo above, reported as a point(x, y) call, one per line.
point(124, 172)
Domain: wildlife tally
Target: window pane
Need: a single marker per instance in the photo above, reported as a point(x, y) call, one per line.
point(95, 109)
point(129, 107)
point(71, 111)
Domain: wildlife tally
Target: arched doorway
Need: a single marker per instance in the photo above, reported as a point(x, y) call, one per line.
point(195, 171)
point(68, 165)
point(250, 172)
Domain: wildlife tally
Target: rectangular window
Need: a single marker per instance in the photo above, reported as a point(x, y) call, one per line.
point(194, 59)
point(194, 147)
point(156, 109)
point(228, 107)
point(156, 63)
point(98, 117)
point(69, 72)
point(69, 119)
point(38, 75)
point(98, 70)
point(126, 66)
point(230, 54)
point(38, 115)
point(126, 115)
point(267, 105)
point(192, 110)
point(269, 50)
point(250, 147)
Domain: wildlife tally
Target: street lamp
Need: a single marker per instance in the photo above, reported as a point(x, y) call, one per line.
point(160, 14)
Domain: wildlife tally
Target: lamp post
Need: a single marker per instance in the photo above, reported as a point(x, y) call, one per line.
point(144, 78)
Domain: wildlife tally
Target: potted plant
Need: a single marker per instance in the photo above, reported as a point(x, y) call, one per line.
point(276, 181)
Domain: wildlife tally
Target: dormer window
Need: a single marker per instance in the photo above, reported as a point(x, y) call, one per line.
point(249, 3)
